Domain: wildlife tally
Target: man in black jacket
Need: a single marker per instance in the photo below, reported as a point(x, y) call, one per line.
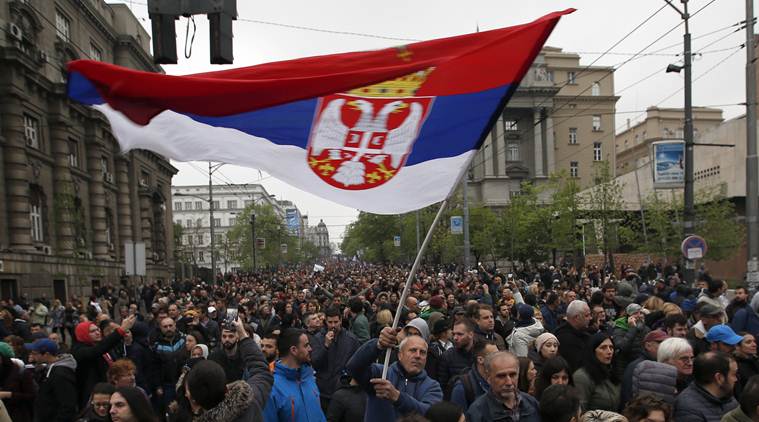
point(57, 398)
point(572, 334)
point(458, 358)
point(331, 351)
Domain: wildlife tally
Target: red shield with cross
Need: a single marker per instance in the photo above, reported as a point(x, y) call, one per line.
point(360, 143)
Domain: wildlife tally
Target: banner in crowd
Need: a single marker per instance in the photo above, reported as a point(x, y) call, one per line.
point(386, 131)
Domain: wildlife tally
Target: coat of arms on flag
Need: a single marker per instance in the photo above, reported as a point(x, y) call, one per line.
point(361, 139)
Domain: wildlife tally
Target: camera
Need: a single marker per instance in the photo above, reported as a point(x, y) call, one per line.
point(229, 319)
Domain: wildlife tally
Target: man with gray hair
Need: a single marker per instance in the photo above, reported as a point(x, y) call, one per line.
point(678, 352)
point(407, 389)
point(573, 334)
point(504, 401)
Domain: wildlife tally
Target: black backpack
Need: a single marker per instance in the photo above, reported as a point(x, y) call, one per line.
point(466, 382)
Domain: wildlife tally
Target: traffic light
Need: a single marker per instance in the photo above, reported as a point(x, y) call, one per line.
point(220, 14)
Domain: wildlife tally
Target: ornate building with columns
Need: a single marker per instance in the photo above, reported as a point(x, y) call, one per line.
point(69, 197)
point(560, 118)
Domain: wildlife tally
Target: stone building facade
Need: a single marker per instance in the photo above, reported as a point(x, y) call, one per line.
point(70, 197)
point(560, 118)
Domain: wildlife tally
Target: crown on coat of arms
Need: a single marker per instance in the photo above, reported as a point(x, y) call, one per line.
point(405, 86)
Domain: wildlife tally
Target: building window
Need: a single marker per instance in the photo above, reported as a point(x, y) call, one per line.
point(512, 152)
point(32, 131)
point(104, 167)
point(232, 205)
point(571, 78)
point(73, 153)
point(177, 206)
point(62, 26)
point(232, 221)
point(189, 224)
point(189, 239)
point(573, 169)
point(510, 125)
point(217, 239)
point(596, 151)
point(595, 89)
point(200, 239)
point(199, 223)
point(201, 258)
point(596, 123)
point(217, 222)
point(198, 205)
point(549, 75)
point(109, 229)
point(215, 205)
point(96, 53)
point(35, 214)
point(572, 136)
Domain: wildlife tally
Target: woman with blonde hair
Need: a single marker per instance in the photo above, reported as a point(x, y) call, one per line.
point(653, 304)
point(383, 319)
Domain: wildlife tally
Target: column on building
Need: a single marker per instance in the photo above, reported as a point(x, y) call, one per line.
point(538, 140)
point(496, 155)
point(550, 144)
point(97, 195)
point(63, 198)
point(146, 222)
point(123, 202)
point(16, 176)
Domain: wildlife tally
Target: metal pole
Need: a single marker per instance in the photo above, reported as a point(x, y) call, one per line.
point(417, 231)
point(689, 211)
point(210, 211)
point(466, 221)
point(253, 225)
point(752, 162)
point(640, 202)
point(410, 278)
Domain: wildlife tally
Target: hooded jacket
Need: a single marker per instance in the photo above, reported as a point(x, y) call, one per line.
point(655, 378)
point(417, 392)
point(294, 396)
point(330, 362)
point(520, 339)
point(57, 398)
point(453, 362)
point(245, 399)
point(628, 342)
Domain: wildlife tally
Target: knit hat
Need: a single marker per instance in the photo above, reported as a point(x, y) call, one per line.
point(6, 350)
point(437, 302)
point(204, 348)
point(633, 308)
point(542, 339)
point(440, 326)
point(433, 318)
point(525, 312)
point(420, 325)
point(82, 332)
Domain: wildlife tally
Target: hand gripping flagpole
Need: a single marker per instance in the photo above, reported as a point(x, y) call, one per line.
point(411, 274)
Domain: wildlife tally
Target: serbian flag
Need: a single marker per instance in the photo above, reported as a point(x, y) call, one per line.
point(386, 131)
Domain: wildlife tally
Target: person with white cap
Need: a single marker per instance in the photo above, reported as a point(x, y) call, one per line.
point(208, 320)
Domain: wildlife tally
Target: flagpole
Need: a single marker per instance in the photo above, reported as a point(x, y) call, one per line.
point(411, 274)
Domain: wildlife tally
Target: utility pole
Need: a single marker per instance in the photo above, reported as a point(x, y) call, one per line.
point(466, 222)
point(689, 213)
point(752, 162)
point(253, 239)
point(210, 207)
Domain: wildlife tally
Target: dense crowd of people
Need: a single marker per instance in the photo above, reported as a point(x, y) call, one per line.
point(292, 344)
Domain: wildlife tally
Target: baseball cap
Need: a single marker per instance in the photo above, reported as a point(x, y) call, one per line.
point(655, 335)
point(42, 346)
point(710, 310)
point(632, 308)
point(211, 309)
point(723, 334)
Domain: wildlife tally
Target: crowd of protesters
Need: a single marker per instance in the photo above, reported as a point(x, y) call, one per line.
point(292, 344)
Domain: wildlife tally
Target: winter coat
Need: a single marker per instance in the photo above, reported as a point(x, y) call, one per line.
point(695, 404)
point(56, 317)
point(522, 338)
point(233, 365)
point(496, 338)
point(627, 378)
point(747, 367)
point(348, 404)
point(91, 366)
point(38, 314)
point(453, 362)
point(245, 399)
point(294, 396)
point(360, 328)
point(571, 344)
point(329, 363)
point(20, 383)
point(628, 342)
point(488, 409)
point(418, 392)
point(657, 379)
point(478, 385)
point(596, 396)
point(745, 319)
point(550, 318)
point(140, 354)
point(736, 415)
point(57, 398)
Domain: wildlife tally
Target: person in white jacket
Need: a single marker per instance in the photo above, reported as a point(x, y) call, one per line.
point(526, 330)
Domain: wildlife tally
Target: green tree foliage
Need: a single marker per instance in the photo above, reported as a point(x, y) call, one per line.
point(606, 207)
point(270, 227)
point(566, 211)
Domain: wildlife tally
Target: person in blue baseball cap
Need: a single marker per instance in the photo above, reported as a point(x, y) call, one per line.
point(722, 338)
point(57, 396)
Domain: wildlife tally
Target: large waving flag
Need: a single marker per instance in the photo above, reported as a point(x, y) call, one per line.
point(385, 131)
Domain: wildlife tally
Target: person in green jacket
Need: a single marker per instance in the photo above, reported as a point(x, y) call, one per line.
point(597, 383)
point(359, 324)
point(748, 411)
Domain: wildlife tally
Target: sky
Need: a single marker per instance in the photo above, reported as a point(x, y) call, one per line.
point(281, 30)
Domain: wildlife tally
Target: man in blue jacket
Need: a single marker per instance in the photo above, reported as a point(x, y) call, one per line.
point(407, 388)
point(294, 396)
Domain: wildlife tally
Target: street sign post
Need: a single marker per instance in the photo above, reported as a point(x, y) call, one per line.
point(457, 224)
point(134, 258)
point(283, 248)
point(397, 241)
point(694, 247)
point(260, 243)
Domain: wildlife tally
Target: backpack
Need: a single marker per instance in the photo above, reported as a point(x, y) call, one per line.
point(466, 382)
